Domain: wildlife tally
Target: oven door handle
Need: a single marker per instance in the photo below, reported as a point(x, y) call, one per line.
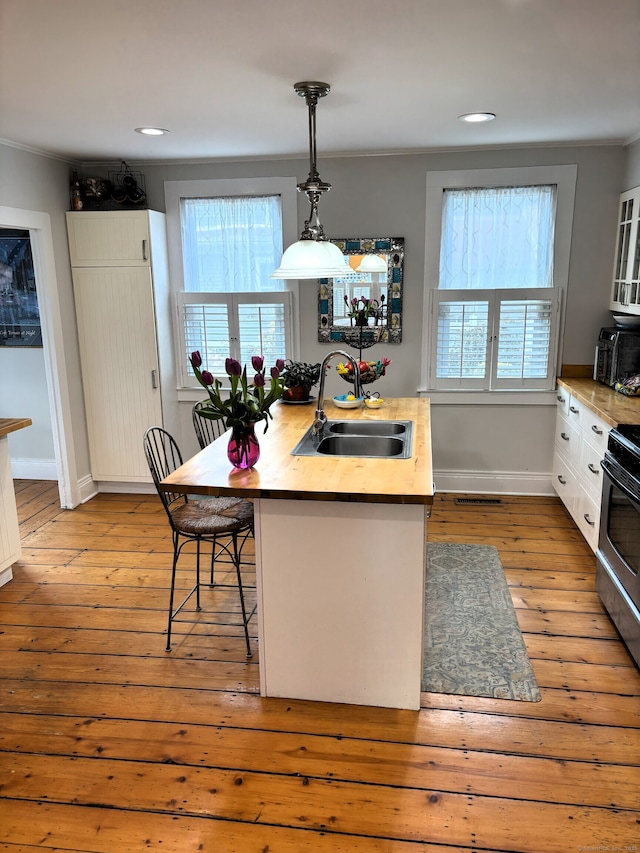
point(616, 482)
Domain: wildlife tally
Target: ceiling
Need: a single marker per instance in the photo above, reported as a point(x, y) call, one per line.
point(77, 76)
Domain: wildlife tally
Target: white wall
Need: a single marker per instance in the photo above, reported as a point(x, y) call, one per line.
point(374, 196)
point(385, 196)
point(632, 170)
point(33, 182)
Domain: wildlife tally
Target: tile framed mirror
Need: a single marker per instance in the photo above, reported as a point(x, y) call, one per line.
point(374, 271)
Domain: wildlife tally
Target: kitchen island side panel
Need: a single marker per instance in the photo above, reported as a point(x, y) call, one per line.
point(341, 601)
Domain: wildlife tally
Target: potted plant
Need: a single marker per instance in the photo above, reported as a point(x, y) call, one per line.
point(298, 378)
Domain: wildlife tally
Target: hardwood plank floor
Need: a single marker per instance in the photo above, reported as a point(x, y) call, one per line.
point(109, 744)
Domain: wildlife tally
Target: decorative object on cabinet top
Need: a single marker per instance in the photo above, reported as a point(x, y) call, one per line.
point(124, 189)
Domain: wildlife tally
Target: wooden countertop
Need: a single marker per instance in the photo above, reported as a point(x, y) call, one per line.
point(278, 474)
point(614, 408)
point(8, 425)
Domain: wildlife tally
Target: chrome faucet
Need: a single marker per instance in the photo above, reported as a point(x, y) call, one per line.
point(320, 417)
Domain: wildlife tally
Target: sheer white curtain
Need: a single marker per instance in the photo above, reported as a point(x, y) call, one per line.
point(231, 244)
point(499, 237)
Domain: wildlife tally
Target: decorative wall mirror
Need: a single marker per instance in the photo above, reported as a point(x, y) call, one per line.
point(373, 280)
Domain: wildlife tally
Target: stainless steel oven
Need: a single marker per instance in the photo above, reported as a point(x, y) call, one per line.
point(618, 555)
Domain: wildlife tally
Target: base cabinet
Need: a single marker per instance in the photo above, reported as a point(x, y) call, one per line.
point(120, 285)
point(580, 443)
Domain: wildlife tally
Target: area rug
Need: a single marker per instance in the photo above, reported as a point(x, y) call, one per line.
point(472, 640)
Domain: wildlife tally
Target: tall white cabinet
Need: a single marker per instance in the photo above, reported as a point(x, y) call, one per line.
point(121, 288)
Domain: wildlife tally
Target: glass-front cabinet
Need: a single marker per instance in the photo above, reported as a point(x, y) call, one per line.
point(625, 294)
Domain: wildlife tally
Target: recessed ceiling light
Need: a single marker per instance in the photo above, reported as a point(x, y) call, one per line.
point(152, 131)
point(477, 117)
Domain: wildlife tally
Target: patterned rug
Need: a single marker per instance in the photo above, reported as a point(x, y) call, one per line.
point(472, 640)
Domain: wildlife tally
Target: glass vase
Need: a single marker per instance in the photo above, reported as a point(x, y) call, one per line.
point(243, 450)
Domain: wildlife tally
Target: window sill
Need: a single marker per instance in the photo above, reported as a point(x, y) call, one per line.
point(490, 398)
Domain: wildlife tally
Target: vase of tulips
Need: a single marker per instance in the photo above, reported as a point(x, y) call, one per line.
point(245, 404)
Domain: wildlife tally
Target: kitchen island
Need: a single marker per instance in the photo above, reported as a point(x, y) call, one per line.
point(10, 550)
point(340, 557)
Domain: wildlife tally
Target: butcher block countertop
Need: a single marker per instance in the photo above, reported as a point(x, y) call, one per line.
point(280, 475)
point(614, 408)
point(8, 425)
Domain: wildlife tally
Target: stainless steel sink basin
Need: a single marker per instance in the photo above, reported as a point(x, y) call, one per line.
point(377, 439)
point(361, 445)
point(368, 427)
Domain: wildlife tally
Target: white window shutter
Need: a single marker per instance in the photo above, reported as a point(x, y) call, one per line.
point(460, 340)
point(264, 324)
point(239, 326)
point(204, 322)
point(526, 329)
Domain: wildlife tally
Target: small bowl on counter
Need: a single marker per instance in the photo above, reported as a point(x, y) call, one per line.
point(342, 402)
point(373, 402)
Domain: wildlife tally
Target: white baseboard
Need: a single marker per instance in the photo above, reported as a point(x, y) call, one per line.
point(127, 488)
point(88, 489)
point(494, 483)
point(34, 469)
point(5, 576)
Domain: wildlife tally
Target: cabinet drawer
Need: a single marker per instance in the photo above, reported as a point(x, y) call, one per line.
point(576, 411)
point(595, 431)
point(589, 469)
point(562, 401)
point(587, 516)
point(567, 440)
point(565, 482)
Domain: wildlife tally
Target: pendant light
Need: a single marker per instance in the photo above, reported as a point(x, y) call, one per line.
point(313, 256)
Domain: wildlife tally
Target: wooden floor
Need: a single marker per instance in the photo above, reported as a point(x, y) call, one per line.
point(109, 744)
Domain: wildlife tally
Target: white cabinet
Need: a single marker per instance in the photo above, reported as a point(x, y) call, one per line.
point(625, 294)
point(110, 238)
point(124, 329)
point(580, 444)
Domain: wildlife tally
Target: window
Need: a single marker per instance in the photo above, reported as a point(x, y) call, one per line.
point(494, 306)
point(225, 246)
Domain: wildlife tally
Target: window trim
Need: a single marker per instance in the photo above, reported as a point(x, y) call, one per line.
point(174, 191)
point(564, 177)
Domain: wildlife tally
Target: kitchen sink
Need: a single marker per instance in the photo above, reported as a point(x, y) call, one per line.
point(368, 427)
point(377, 439)
point(361, 445)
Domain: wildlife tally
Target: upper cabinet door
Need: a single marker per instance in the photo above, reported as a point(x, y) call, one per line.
point(109, 238)
point(625, 293)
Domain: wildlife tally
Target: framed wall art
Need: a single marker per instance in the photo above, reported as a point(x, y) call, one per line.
point(19, 313)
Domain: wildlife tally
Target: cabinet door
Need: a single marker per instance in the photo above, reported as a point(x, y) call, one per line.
point(108, 238)
point(118, 350)
point(625, 294)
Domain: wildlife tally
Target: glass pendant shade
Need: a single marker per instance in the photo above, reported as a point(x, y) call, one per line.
point(372, 263)
point(311, 259)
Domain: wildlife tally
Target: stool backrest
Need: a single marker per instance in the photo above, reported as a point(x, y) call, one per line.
point(163, 457)
point(206, 429)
